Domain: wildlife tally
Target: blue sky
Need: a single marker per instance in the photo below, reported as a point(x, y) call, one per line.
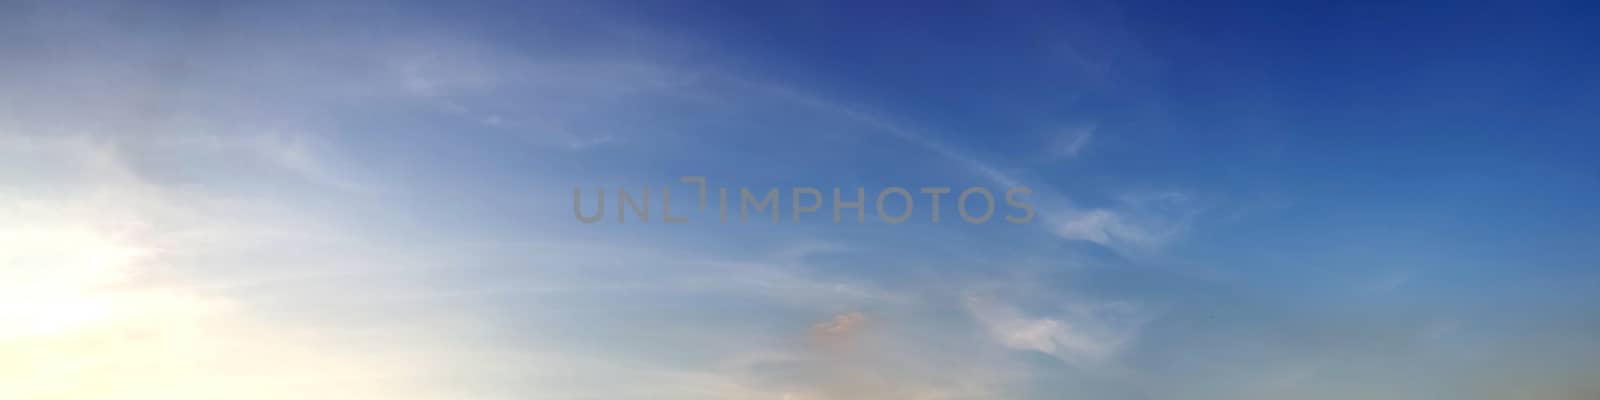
point(1239, 200)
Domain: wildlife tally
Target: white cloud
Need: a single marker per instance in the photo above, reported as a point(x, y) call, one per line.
point(1073, 141)
point(1140, 222)
point(1085, 335)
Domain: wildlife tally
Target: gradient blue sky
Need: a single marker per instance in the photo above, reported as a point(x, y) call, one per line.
point(1237, 200)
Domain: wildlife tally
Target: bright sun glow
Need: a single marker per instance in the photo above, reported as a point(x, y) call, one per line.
point(57, 279)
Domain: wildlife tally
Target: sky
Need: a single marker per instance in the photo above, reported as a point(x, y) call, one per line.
point(375, 200)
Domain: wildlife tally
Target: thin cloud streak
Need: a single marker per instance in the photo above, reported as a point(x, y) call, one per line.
point(1122, 229)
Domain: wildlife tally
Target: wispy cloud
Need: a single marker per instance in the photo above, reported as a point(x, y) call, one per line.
point(1140, 223)
point(1084, 335)
point(842, 324)
point(1073, 141)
